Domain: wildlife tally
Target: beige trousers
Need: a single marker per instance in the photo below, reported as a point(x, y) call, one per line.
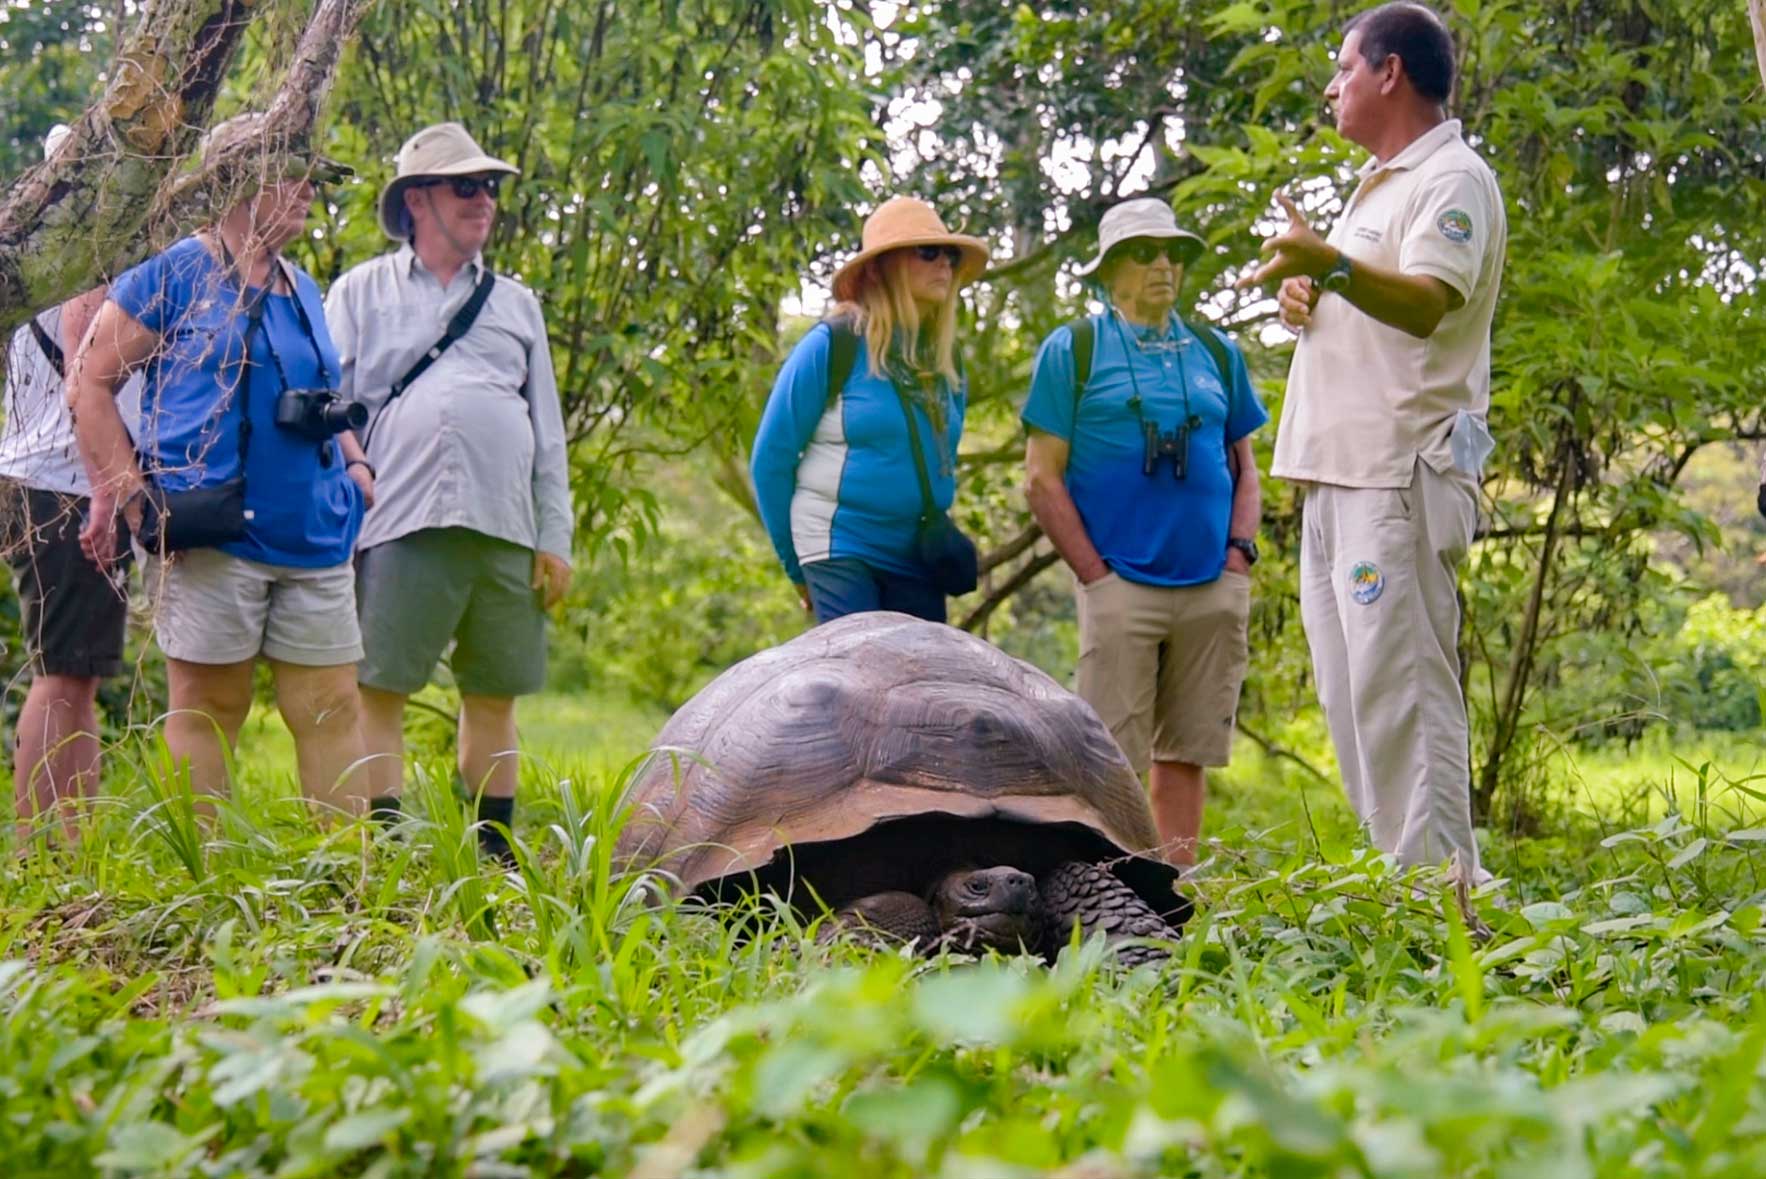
point(1380, 604)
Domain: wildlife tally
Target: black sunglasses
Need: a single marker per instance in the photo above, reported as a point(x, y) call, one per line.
point(467, 187)
point(1144, 249)
point(934, 253)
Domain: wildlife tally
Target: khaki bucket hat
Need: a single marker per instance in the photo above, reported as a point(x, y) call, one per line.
point(253, 127)
point(442, 150)
point(900, 222)
point(1141, 217)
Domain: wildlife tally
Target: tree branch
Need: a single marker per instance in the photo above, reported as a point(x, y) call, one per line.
point(998, 597)
point(96, 205)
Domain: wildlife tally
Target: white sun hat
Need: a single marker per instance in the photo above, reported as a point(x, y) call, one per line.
point(1141, 217)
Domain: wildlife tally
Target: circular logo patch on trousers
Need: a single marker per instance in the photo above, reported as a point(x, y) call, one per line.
point(1366, 583)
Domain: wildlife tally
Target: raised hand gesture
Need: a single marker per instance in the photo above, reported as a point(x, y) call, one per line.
point(1297, 251)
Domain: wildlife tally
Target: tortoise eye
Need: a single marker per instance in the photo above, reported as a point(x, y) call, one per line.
point(977, 885)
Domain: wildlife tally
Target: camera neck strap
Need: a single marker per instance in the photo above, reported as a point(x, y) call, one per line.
point(255, 298)
point(458, 326)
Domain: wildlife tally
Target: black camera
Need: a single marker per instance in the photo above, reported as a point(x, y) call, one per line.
point(319, 413)
point(1171, 444)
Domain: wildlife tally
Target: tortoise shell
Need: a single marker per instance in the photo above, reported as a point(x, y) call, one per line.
point(882, 722)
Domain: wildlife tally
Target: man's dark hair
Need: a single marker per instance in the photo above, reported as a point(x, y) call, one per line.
point(1418, 37)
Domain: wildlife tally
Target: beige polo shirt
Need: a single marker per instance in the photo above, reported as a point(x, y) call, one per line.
point(1365, 400)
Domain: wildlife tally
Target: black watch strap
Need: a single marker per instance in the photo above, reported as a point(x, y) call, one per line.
point(1247, 547)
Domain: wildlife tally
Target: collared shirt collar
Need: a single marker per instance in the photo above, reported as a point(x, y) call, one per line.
point(1420, 149)
point(409, 263)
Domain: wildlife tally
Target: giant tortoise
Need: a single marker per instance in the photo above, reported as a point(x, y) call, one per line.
point(921, 783)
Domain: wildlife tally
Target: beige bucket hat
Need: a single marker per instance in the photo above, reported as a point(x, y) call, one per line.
point(900, 222)
point(1141, 217)
point(442, 150)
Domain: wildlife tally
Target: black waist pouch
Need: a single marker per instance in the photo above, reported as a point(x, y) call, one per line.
point(948, 555)
point(200, 518)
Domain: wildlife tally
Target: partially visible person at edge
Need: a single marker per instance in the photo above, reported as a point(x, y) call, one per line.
point(471, 540)
point(834, 472)
point(1384, 428)
point(285, 591)
point(72, 614)
point(1140, 472)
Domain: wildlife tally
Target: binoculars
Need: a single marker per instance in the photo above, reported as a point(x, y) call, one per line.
point(1171, 444)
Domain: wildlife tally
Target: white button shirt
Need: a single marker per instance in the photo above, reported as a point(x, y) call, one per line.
point(1366, 400)
point(478, 440)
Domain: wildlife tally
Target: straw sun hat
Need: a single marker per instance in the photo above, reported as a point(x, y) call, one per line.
point(902, 222)
point(442, 150)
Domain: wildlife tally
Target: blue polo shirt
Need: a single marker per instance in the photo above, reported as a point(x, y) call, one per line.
point(305, 511)
point(1152, 529)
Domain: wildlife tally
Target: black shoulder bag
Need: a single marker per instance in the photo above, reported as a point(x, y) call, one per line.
point(458, 326)
point(204, 517)
point(940, 544)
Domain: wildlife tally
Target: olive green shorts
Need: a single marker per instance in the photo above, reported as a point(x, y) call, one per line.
point(1162, 665)
point(439, 586)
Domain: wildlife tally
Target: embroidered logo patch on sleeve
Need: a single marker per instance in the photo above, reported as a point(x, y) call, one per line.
point(1455, 225)
point(1366, 583)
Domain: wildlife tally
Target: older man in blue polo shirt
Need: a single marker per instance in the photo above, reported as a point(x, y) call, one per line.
point(1141, 473)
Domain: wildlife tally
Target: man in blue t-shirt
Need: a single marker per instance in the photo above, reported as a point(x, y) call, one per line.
point(1141, 474)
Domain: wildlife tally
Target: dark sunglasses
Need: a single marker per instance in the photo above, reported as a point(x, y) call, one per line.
point(467, 187)
point(1144, 249)
point(933, 253)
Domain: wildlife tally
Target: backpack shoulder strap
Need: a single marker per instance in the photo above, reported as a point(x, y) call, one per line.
point(1215, 342)
point(51, 349)
point(842, 355)
point(1216, 345)
point(1084, 342)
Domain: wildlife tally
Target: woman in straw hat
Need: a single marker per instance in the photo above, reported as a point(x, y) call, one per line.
point(834, 465)
point(248, 477)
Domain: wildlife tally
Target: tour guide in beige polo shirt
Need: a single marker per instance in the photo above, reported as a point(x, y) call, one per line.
point(1383, 423)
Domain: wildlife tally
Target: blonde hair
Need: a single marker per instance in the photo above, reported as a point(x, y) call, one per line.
point(885, 314)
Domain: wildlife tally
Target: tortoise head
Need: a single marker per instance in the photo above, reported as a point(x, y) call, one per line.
point(988, 909)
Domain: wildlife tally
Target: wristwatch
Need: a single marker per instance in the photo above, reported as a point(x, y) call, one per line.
point(1337, 277)
point(1247, 547)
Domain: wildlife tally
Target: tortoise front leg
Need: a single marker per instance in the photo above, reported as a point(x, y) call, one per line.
point(1091, 896)
point(885, 919)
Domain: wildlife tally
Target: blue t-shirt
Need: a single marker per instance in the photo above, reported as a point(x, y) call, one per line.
point(305, 511)
point(1154, 529)
point(836, 478)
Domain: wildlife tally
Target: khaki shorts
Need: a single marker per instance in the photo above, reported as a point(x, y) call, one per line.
point(1162, 665)
point(210, 607)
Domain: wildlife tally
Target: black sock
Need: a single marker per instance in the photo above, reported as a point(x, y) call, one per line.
point(491, 840)
point(384, 809)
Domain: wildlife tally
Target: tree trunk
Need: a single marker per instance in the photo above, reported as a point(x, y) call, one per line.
point(1757, 14)
point(102, 201)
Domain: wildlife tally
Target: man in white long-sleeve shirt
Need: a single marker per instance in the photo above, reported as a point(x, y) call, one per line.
point(469, 539)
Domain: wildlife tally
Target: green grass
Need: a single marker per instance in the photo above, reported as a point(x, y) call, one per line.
point(270, 999)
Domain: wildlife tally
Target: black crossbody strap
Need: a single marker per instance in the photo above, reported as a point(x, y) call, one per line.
point(928, 509)
point(458, 326)
point(51, 350)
